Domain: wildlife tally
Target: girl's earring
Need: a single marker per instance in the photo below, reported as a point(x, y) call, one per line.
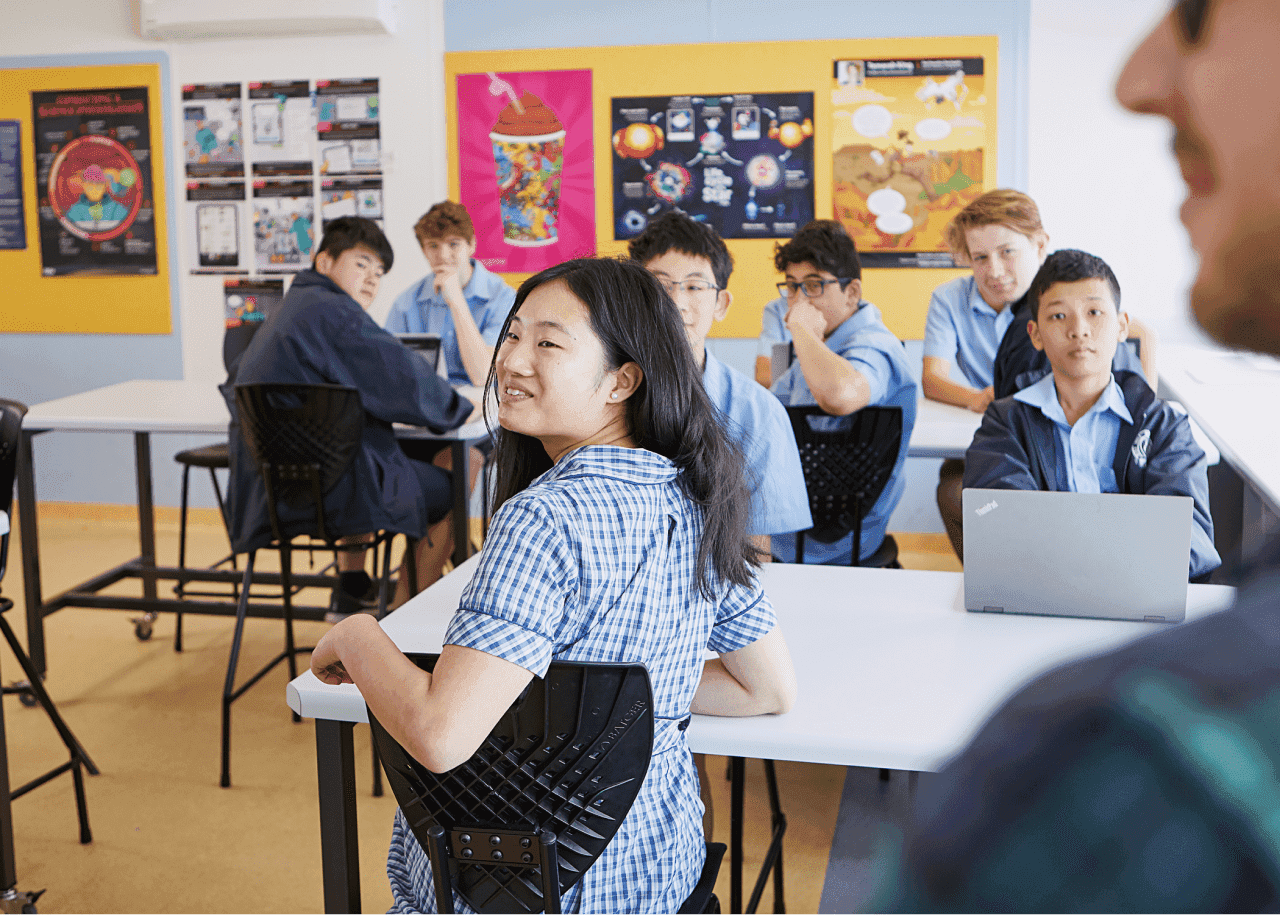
point(613, 396)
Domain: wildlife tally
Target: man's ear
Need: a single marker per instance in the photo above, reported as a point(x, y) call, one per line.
point(853, 293)
point(1122, 319)
point(724, 298)
point(323, 264)
point(626, 381)
point(1034, 333)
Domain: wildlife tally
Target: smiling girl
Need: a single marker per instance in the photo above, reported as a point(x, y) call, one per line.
point(620, 535)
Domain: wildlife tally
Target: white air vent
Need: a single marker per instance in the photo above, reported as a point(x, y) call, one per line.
point(200, 20)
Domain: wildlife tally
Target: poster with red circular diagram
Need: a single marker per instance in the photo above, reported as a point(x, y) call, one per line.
point(93, 176)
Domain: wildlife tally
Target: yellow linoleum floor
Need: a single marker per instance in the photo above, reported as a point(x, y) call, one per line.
point(166, 837)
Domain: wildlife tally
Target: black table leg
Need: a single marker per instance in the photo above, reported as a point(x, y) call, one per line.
point(30, 537)
point(461, 502)
point(146, 511)
point(339, 841)
point(8, 868)
point(737, 779)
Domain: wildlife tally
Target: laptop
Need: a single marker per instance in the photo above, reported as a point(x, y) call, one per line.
point(1107, 556)
point(425, 345)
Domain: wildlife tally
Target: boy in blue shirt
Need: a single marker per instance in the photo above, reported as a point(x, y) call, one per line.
point(692, 263)
point(459, 299)
point(1085, 427)
point(846, 359)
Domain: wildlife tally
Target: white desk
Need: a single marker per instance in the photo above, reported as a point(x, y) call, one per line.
point(1232, 396)
point(941, 430)
point(893, 674)
point(143, 408)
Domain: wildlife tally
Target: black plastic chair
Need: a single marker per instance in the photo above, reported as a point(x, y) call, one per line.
point(302, 437)
point(519, 823)
point(847, 462)
point(11, 414)
point(215, 457)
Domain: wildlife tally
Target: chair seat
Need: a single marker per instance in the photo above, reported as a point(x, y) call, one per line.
point(886, 557)
point(211, 456)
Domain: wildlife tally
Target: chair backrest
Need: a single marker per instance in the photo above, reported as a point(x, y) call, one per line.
point(11, 414)
point(568, 758)
point(847, 462)
point(302, 437)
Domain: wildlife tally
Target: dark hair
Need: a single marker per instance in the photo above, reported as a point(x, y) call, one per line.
point(669, 413)
point(674, 231)
point(346, 232)
point(825, 244)
point(1070, 266)
point(444, 219)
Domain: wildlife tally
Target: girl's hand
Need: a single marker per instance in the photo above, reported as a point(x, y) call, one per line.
point(324, 659)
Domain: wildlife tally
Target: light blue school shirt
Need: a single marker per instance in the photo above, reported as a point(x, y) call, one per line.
point(1090, 445)
point(881, 359)
point(421, 310)
point(759, 423)
point(962, 328)
point(773, 327)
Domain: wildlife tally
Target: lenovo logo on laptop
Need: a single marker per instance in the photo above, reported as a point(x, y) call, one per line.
point(986, 508)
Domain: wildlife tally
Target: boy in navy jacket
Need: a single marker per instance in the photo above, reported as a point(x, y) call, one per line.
point(1085, 428)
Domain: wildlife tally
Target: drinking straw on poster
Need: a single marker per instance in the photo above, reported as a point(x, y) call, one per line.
point(497, 86)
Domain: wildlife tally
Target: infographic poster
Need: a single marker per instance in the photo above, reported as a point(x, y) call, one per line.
point(13, 222)
point(347, 130)
point(525, 166)
point(215, 215)
point(283, 225)
point(350, 196)
point(910, 142)
point(93, 181)
point(741, 163)
point(282, 128)
point(212, 138)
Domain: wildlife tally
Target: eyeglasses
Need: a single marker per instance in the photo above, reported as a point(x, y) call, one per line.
point(692, 288)
point(812, 287)
point(1190, 16)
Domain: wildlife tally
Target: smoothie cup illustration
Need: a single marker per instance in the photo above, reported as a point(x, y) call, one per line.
point(528, 152)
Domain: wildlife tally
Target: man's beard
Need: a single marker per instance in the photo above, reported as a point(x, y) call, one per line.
point(1236, 296)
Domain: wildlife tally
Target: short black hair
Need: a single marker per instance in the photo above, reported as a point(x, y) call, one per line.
point(346, 232)
point(825, 244)
point(675, 231)
point(1070, 266)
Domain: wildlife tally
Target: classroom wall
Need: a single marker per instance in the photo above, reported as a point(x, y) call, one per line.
point(1103, 178)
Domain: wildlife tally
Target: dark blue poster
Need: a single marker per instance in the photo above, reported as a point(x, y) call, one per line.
point(741, 163)
point(13, 227)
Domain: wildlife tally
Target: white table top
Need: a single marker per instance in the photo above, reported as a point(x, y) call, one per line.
point(1232, 396)
point(893, 673)
point(164, 406)
point(197, 407)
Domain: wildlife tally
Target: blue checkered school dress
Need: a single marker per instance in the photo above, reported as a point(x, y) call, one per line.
point(595, 562)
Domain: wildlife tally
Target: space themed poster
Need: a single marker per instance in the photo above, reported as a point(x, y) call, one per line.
point(526, 171)
point(910, 143)
point(741, 163)
point(93, 181)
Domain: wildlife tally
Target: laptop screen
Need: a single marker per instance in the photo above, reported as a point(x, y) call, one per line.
point(425, 345)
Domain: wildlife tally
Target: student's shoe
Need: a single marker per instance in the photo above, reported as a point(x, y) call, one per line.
point(356, 594)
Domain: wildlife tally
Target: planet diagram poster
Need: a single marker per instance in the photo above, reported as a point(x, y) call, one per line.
point(93, 181)
point(525, 165)
point(910, 143)
point(742, 163)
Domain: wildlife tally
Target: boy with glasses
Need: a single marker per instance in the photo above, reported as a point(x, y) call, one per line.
point(693, 265)
point(846, 359)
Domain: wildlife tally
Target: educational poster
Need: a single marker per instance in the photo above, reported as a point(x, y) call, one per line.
point(281, 128)
point(93, 181)
point(526, 167)
point(283, 225)
point(215, 216)
point(347, 131)
point(250, 301)
point(13, 221)
point(909, 141)
point(741, 163)
point(212, 141)
point(353, 196)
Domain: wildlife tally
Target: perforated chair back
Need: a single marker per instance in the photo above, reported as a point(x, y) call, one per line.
point(303, 437)
point(11, 414)
point(847, 462)
point(524, 818)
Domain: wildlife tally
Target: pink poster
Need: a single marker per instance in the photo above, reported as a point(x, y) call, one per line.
point(525, 167)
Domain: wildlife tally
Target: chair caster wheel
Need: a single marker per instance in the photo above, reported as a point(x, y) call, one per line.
point(28, 699)
point(142, 629)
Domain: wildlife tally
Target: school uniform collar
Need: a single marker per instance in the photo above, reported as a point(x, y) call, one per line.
point(980, 306)
point(631, 465)
point(866, 315)
point(473, 289)
point(1043, 395)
